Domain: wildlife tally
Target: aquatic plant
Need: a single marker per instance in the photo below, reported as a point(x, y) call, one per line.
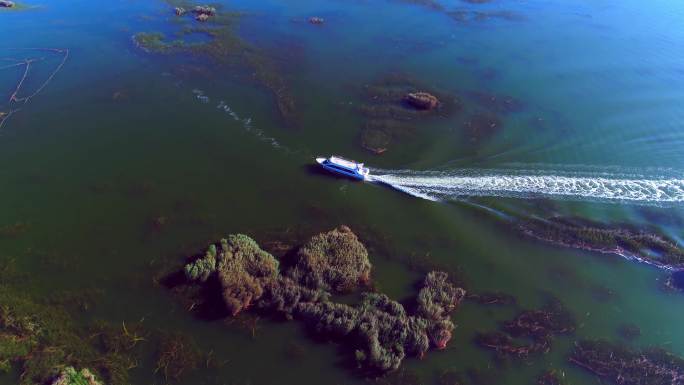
point(623, 365)
point(642, 245)
point(492, 298)
point(225, 48)
point(176, 355)
point(538, 327)
point(156, 42)
point(40, 338)
point(334, 261)
point(482, 126)
point(393, 104)
point(71, 376)
point(629, 331)
point(375, 138)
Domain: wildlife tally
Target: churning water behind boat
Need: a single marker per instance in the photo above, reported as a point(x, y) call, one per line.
point(609, 187)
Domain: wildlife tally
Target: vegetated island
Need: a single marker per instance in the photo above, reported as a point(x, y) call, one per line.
point(380, 331)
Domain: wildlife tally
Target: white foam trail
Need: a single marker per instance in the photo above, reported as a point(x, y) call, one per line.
point(595, 186)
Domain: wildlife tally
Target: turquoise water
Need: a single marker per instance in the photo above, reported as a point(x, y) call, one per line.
point(120, 138)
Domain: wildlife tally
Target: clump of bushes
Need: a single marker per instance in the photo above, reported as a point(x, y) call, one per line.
point(379, 329)
point(334, 261)
point(283, 296)
point(202, 268)
point(243, 270)
point(622, 365)
point(176, 355)
point(437, 299)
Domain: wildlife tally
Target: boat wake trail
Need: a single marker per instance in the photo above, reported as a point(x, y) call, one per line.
point(525, 184)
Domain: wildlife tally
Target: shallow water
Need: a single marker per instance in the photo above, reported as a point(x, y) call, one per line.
point(120, 138)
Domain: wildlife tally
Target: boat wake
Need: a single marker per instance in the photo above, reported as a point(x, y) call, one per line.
point(616, 187)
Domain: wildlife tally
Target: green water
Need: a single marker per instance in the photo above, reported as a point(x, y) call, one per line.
point(119, 139)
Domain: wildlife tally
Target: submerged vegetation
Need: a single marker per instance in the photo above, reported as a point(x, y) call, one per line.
point(224, 48)
point(379, 330)
point(531, 332)
point(39, 339)
point(622, 365)
point(42, 343)
point(644, 246)
point(395, 106)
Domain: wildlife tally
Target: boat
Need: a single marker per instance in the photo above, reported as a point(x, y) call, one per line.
point(346, 167)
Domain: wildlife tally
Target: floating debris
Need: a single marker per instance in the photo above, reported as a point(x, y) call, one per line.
point(316, 20)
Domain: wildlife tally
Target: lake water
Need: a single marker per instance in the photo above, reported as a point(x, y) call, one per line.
point(128, 161)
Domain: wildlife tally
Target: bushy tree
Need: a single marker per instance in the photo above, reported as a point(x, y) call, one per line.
point(202, 268)
point(335, 261)
point(438, 297)
point(243, 270)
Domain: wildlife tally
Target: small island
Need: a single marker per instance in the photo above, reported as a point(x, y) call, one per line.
point(380, 331)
